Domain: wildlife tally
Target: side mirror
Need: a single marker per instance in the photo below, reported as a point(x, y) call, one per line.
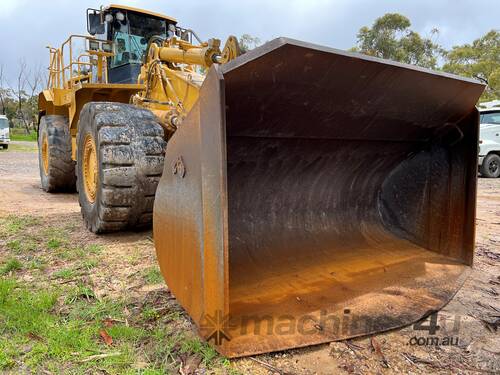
point(94, 22)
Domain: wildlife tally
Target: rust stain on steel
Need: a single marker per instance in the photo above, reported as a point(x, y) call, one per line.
point(322, 185)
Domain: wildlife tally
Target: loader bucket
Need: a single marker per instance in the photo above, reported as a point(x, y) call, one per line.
point(313, 195)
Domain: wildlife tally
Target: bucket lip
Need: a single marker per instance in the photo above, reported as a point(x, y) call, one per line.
point(282, 41)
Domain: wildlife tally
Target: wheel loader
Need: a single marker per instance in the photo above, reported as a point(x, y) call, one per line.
point(299, 194)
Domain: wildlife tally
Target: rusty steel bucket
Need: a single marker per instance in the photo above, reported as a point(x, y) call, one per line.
point(314, 194)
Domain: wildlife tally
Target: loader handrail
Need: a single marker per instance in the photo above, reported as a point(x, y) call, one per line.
point(66, 75)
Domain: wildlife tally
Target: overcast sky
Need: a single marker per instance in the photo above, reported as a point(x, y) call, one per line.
point(27, 26)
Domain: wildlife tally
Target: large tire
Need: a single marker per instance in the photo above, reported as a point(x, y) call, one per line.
point(57, 168)
point(491, 166)
point(129, 151)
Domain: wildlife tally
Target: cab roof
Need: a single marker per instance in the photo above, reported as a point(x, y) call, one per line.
point(141, 11)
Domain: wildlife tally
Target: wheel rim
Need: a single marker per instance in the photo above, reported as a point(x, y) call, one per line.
point(45, 154)
point(493, 167)
point(89, 168)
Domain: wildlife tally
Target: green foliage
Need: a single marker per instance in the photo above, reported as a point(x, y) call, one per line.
point(80, 292)
point(196, 346)
point(24, 245)
point(390, 37)
point(248, 42)
point(54, 243)
point(31, 147)
point(63, 335)
point(30, 319)
point(12, 224)
point(14, 245)
point(12, 264)
point(17, 134)
point(88, 264)
point(10, 104)
point(54, 322)
point(153, 275)
point(479, 60)
point(94, 249)
point(97, 310)
point(149, 313)
point(67, 273)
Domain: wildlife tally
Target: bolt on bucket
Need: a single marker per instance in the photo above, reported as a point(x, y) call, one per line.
point(314, 195)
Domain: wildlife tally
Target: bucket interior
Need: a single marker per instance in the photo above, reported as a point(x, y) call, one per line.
point(312, 223)
point(349, 187)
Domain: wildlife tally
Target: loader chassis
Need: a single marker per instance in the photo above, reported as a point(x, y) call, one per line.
point(326, 190)
point(115, 149)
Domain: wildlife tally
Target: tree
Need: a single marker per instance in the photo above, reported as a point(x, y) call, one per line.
point(390, 37)
point(35, 81)
point(479, 60)
point(248, 42)
point(25, 92)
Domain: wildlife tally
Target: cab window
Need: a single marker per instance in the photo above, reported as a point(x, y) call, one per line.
point(4, 123)
point(490, 118)
point(131, 38)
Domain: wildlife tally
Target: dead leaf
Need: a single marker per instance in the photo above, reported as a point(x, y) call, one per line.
point(106, 337)
point(378, 351)
point(349, 368)
point(34, 336)
point(190, 365)
point(108, 322)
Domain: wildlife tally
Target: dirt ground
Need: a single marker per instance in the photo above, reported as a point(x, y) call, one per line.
point(472, 317)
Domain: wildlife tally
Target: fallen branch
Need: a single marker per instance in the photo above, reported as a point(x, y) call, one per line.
point(100, 356)
point(269, 367)
point(354, 348)
point(415, 360)
point(483, 305)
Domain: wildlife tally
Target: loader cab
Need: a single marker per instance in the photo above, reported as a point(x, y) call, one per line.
point(130, 30)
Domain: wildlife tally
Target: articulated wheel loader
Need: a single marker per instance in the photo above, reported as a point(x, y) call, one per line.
point(299, 194)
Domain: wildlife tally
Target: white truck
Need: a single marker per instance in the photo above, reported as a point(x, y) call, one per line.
point(4, 132)
point(489, 142)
